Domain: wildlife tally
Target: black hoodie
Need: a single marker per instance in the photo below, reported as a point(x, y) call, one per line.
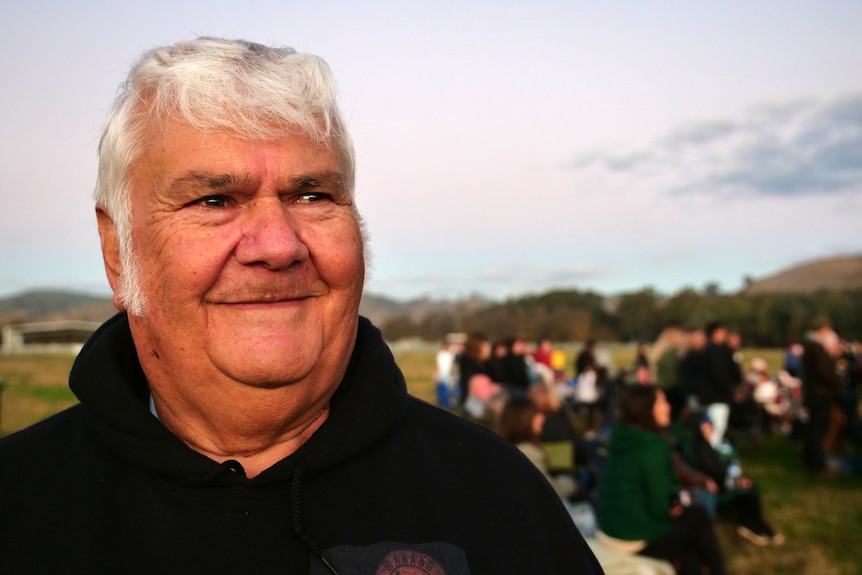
point(387, 482)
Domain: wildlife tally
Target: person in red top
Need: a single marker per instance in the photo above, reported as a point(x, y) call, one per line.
point(543, 352)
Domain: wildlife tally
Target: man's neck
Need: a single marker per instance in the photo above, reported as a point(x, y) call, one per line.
point(256, 437)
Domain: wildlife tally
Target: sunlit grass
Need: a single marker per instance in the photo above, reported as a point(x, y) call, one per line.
point(35, 387)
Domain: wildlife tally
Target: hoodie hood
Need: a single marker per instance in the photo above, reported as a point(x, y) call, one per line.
point(108, 380)
point(626, 439)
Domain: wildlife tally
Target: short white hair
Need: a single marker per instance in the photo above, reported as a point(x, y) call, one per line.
point(256, 92)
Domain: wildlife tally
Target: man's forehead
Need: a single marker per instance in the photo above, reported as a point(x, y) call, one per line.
point(230, 155)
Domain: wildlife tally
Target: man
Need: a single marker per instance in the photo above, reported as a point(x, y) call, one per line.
point(239, 416)
point(691, 367)
point(516, 371)
point(821, 385)
point(720, 377)
point(586, 358)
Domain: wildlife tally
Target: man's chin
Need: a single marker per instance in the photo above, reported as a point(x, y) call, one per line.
point(254, 377)
point(262, 321)
point(266, 362)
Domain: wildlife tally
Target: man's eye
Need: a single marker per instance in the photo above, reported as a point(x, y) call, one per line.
point(213, 202)
point(312, 197)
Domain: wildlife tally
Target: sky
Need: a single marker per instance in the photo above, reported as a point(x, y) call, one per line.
point(503, 148)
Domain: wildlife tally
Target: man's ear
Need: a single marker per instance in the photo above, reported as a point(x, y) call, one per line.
point(111, 253)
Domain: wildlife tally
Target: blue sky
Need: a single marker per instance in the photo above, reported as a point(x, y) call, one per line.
point(503, 147)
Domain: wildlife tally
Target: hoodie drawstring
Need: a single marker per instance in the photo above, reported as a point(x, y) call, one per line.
point(296, 514)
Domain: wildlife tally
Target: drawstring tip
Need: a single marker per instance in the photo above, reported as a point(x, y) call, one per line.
point(328, 566)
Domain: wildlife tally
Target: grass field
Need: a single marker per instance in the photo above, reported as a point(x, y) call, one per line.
point(821, 519)
point(35, 387)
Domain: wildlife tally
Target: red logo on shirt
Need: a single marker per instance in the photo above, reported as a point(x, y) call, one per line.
point(409, 563)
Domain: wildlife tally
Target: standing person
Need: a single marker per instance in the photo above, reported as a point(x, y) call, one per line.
point(587, 396)
point(691, 367)
point(821, 385)
point(793, 359)
point(639, 511)
point(515, 368)
point(445, 363)
point(495, 362)
point(446, 375)
point(720, 377)
point(665, 357)
point(238, 416)
point(586, 358)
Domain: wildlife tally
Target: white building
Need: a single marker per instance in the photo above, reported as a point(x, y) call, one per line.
point(62, 336)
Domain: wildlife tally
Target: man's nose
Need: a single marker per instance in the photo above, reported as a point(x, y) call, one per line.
point(270, 236)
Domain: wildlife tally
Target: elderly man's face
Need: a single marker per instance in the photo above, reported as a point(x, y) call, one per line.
point(251, 260)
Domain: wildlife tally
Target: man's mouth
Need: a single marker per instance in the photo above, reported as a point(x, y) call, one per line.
point(266, 301)
point(266, 294)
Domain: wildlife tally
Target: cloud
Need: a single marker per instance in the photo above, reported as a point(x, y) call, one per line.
point(528, 274)
point(493, 282)
point(784, 150)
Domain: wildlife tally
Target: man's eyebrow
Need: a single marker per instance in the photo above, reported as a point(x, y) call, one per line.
point(315, 179)
point(198, 181)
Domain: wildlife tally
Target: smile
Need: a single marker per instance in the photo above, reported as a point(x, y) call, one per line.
point(267, 304)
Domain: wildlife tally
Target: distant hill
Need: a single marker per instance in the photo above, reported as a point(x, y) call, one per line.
point(379, 309)
point(45, 305)
point(836, 273)
point(47, 301)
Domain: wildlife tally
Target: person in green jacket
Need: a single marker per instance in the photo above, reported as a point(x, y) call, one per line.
point(641, 509)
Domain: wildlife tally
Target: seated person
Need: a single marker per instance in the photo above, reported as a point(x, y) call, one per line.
point(484, 399)
point(773, 405)
point(481, 394)
point(520, 424)
point(640, 510)
point(560, 429)
point(736, 491)
point(472, 360)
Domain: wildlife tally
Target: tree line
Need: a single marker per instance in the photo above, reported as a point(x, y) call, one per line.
point(766, 320)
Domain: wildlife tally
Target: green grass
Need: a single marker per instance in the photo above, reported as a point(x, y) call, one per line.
point(35, 387)
point(821, 519)
point(49, 394)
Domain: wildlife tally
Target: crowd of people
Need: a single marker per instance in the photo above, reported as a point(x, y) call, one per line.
point(652, 449)
point(811, 398)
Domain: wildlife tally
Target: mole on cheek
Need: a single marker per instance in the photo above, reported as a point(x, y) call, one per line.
point(156, 354)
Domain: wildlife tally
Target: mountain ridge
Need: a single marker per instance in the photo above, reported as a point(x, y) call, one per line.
point(843, 272)
point(838, 273)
